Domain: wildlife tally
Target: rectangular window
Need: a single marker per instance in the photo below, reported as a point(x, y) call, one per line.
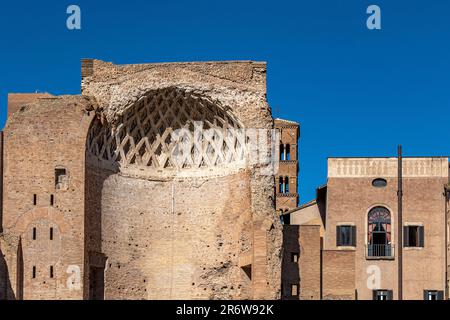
point(294, 257)
point(285, 219)
point(413, 236)
point(34, 199)
point(34, 233)
point(346, 236)
point(60, 175)
point(52, 200)
point(294, 290)
point(51, 271)
point(433, 295)
point(382, 294)
point(34, 272)
point(51, 233)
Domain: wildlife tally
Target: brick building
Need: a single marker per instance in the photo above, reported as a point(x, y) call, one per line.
point(383, 230)
point(127, 190)
point(287, 193)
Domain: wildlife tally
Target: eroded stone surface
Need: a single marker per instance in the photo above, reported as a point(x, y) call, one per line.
point(212, 234)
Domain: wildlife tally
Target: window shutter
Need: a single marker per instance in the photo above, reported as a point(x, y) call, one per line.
point(354, 236)
point(425, 294)
point(389, 295)
point(338, 236)
point(405, 237)
point(421, 236)
point(440, 295)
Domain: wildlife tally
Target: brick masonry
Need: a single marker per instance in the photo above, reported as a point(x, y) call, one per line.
point(301, 262)
point(101, 232)
point(350, 196)
point(43, 135)
point(289, 134)
point(338, 275)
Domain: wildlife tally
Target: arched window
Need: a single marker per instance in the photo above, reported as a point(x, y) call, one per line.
point(379, 232)
point(288, 152)
point(286, 185)
point(281, 187)
point(282, 152)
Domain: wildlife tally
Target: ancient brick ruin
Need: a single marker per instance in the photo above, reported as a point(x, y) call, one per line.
point(101, 199)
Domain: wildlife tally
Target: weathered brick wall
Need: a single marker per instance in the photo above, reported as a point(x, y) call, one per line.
point(40, 137)
point(306, 272)
point(173, 239)
point(239, 88)
point(8, 249)
point(290, 272)
point(310, 262)
point(338, 275)
point(1, 182)
point(18, 100)
point(448, 235)
point(156, 246)
point(3, 274)
point(238, 85)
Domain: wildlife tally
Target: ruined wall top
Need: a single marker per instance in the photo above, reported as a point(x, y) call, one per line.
point(238, 85)
point(17, 100)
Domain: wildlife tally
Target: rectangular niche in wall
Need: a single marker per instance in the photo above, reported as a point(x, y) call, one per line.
point(61, 179)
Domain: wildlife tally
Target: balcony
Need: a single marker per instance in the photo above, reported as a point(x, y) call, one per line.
point(379, 251)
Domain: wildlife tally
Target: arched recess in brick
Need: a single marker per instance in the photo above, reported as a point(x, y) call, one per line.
point(42, 213)
point(128, 218)
point(169, 131)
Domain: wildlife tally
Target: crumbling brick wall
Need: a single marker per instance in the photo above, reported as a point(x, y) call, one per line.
point(168, 237)
point(155, 236)
point(40, 136)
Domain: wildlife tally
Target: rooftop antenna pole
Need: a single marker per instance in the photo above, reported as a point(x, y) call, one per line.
point(400, 223)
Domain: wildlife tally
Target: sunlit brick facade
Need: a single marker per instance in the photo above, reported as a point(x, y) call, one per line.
point(357, 215)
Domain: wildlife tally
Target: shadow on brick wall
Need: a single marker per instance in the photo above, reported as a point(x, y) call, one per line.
point(6, 292)
point(290, 273)
point(94, 282)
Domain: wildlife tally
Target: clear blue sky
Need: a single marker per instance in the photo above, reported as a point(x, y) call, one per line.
point(355, 92)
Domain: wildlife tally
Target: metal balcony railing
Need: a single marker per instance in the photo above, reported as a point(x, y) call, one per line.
point(380, 250)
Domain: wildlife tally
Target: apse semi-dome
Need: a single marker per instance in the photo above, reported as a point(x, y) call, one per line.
point(169, 132)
